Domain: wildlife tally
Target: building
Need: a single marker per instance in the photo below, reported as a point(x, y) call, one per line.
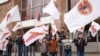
point(29, 9)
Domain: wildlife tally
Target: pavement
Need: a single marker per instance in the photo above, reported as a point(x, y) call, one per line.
point(73, 54)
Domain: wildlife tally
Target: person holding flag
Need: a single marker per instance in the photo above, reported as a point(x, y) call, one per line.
point(67, 45)
point(9, 46)
point(53, 46)
point(80, 43)
point(19, 42)
point(61, 37)
point(43, 47)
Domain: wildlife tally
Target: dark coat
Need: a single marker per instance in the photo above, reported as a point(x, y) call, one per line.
point(19, 41)
point(61, 36)
point(80, 43)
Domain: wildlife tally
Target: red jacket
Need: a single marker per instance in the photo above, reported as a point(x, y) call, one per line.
point(53, 46)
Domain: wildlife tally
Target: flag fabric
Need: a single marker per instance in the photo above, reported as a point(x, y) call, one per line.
point(52, 9)
point(94, 28)
point(81, 29)
point(12, 16)
point(37, 21)
point(33, 35)
point(3, 45)
point(17, 26)
point(53, 29)
point(83, 13)
point(4, 33)
point(38, 17)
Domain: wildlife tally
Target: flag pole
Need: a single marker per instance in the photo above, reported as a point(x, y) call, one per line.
point(97, 37)
point(22, 31)
point(88, 34)
point(43, 2)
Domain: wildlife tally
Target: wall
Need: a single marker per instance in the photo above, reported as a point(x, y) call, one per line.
point(4, 8)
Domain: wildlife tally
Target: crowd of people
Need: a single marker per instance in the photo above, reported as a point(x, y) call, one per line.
point(63, 44)
point(50, 45)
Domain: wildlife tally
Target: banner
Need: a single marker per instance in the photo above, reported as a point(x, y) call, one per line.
point(83, 13)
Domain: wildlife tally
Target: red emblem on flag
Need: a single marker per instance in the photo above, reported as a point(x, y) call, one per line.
point(8, 16)
point(93, 29)
point(33, 35)
point(18, 25)
point(85, 7)
point(3, 44)
point(6, 33)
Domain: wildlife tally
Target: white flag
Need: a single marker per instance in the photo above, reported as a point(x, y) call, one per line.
point(94, 28)
point(12, 16)
point(52, 10)
point(3, 45)
point(53, 29)
point(4, 33)
point(33, 35)
point(80, 30)
point(37, 23)
point(17, 26)
point(83, 13)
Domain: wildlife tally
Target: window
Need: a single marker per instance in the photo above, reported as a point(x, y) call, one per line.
point(37, 6)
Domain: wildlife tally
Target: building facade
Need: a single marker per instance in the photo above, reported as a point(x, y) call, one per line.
point(30, 8)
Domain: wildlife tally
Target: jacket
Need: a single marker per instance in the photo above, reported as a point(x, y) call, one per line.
point(61, 36)
point(43, 47)
point(80, 43)
point(53, 46)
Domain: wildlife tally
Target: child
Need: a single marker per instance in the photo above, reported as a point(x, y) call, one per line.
point(53, 46)
point(67, 45)
point(43, 47)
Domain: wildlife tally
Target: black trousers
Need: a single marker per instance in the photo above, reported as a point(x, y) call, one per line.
point(43, 54)
point(9, 51)
point(1, 52)
point(20, 50)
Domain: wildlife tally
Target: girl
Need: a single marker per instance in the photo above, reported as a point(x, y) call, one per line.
point(43, 47)
point(53, 46)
